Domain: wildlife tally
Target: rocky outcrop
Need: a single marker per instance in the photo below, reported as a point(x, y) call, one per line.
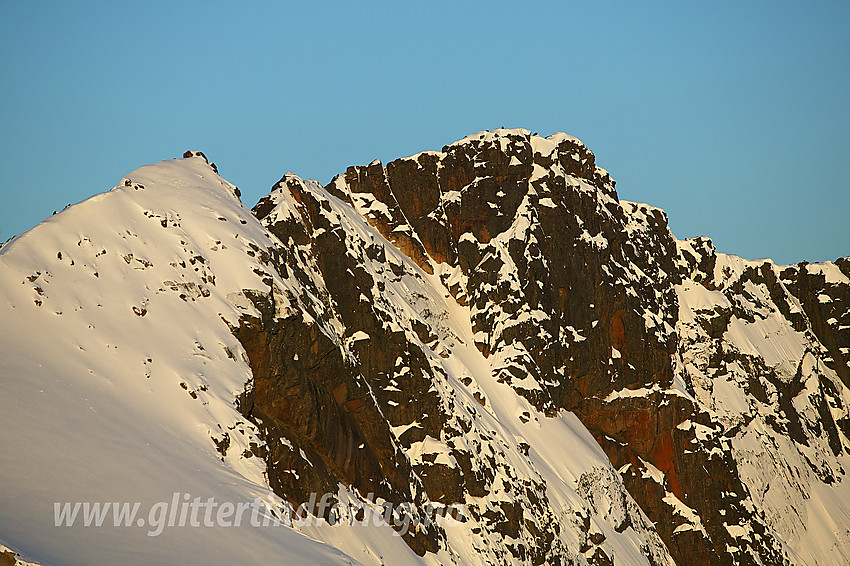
point(691, 369)
point(825, 299)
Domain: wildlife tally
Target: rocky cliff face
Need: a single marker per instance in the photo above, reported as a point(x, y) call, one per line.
point(485, 328)
point(703, 377)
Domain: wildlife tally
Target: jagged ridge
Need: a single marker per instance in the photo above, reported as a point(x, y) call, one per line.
point(574, 299)
point(450, 328)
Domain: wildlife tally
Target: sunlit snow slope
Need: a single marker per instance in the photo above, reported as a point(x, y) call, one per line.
point(118, 367)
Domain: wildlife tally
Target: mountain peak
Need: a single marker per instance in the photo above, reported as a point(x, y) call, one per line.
point(192, 153)
point(486, 330)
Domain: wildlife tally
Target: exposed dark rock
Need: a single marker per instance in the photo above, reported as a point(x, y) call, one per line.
point(574, 298)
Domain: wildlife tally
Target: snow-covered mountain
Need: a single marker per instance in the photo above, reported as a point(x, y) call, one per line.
point(486, 331)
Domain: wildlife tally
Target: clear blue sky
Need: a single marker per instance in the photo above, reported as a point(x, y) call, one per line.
point(732, 116)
